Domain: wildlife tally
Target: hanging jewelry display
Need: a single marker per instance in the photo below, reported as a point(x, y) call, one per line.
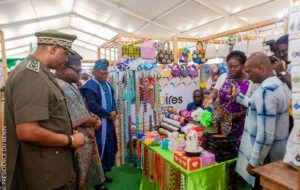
point(137, 103)
point(177, 180)
point(172, 178)
point(155, 101)
point(121, 88)
point(158, 101)
point(182, 182)
point(142, 156)
point(144, 91)
point(126, 99)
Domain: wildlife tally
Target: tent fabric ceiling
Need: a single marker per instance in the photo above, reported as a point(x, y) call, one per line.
point(96, 21)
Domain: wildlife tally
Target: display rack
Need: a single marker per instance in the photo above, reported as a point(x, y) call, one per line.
point(112, 46)
point(248, 28)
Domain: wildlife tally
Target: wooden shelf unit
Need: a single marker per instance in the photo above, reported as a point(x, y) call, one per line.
point(113, 46)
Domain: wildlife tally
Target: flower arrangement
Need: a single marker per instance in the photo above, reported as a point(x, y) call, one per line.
point(197, 114)
point(203, 116)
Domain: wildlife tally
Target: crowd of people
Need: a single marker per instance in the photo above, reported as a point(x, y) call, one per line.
point(55, 127)
point(58, 137)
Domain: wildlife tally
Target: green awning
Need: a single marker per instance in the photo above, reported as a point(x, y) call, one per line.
point(12, 61)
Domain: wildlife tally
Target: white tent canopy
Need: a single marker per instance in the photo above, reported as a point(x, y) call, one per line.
point(96, 21)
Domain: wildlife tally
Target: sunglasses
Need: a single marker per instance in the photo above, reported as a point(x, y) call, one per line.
point(76, 70)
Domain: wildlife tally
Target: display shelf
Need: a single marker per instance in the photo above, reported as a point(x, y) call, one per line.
point(111, 47)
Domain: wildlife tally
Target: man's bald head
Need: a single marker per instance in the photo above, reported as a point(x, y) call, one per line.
point(258, 67)
point(261, 59)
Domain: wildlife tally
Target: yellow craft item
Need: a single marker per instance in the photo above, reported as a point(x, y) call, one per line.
point(148, 134)
point(170, 109)
point(177, 112)
point(200, 55)
point(190, 55)
point(202, 85)
point(148, 141)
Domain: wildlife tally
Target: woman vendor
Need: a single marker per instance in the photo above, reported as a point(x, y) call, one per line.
point(229, 116)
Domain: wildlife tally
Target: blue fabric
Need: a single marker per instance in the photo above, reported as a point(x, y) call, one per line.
point(266, 127)
point(192, 106)
point(91, 92)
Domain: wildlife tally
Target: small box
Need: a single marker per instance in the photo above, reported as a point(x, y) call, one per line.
point(207, 158)
point(193, 163)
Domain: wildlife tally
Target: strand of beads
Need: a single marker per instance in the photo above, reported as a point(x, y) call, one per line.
point(155, 100)
point(158, 102)
point(137, 104)
point(142, 156)
point(182, 182)
point(172, 178)
point(144, 92)
point(177, 180)
point(121, 88)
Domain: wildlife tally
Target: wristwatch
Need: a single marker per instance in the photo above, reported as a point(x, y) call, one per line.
point(283, 73)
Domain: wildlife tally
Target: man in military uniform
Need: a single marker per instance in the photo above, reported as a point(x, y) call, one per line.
point(39, 133)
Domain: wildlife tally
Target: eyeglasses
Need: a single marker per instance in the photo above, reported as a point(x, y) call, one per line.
point(103, 73)
point(76, 70)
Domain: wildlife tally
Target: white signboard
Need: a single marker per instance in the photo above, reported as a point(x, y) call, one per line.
point(177, 91)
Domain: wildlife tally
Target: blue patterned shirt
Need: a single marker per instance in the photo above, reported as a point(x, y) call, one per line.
point(266, 127)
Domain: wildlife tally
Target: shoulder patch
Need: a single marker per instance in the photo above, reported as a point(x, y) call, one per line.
point(34, 66)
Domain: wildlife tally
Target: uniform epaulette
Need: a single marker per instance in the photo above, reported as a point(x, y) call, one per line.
point(34, 66)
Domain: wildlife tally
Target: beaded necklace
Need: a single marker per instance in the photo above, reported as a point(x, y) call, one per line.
point(158, 87)
point(172, 178)
point(121, 88)
point(142, 156)
point(177, 179)
point(182, 182)
point(144, 98)
point(137, 103)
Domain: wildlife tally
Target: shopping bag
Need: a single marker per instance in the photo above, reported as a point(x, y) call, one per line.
point(199, 54)
point(131, 50)
point(165, 56)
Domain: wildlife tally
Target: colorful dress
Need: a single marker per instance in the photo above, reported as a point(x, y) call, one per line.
point(89, 168)
point(222, 119)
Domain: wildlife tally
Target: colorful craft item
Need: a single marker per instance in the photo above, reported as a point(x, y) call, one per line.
point(193, 71)
point(163, 131)
point(192, 147)
point(176, 142)
point(196, 115)
point(206, 119)
point(164, 144)
point(185, 113)
point(193, 163)
point(169, 127)
point(163, 136)
point(147, 141)
point(199, 54)
point(181, 119)
point(176, 71)
point(140, 135)
point(172, 122)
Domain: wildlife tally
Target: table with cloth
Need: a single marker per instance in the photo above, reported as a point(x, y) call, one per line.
point(161, 172)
